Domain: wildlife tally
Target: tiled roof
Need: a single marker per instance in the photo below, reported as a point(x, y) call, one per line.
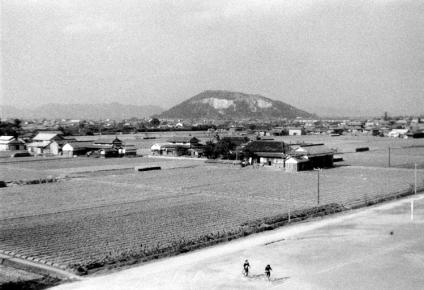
point(266, 146)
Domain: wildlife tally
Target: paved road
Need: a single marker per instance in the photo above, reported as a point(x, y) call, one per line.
point(374, 248)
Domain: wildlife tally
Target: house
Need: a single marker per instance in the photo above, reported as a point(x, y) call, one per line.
point(266, 152)
point(398, 133)
point(319, 156)
point(296, 131)
point(167, 149)
point(197, 152)
point(46, 143)
point(279, 131)
point(76, 148)
point(10, 143)
point(156, 149)
point(174, 150)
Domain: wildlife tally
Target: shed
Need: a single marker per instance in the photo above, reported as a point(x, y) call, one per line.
point(76, 148)
point(294, 164)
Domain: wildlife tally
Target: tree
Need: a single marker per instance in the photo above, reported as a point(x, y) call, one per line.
point(223, 148)
point(17, 123)
point(209, 150)
point(155, 122)
point(10, 128)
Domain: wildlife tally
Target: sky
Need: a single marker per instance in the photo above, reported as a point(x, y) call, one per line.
point(358, 57)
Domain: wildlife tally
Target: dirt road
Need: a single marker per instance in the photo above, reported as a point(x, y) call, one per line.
point(374, 248)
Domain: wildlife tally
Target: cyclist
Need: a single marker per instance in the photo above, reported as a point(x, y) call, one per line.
point(268, 270)
point(246, 267)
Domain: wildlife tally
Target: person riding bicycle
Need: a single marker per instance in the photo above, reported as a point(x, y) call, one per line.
point(246, 267)
point(268, 270)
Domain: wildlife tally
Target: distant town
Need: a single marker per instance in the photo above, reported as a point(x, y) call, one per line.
point(250, 141)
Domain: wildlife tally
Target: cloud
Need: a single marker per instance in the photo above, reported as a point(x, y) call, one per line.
point(91, 25)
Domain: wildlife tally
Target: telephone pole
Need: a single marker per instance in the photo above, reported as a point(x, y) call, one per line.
point(318, 171)
point(415, 179)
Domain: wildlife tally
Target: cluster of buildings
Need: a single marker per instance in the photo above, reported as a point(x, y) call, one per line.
point(179, 146)
point(291, 157)
point(401, 128)
point(54, 143)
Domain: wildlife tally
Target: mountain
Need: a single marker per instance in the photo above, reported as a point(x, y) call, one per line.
point(113, 111)
point(232, 105)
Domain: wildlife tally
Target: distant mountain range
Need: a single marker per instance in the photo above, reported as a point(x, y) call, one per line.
point(213, 104)
point(113, 111)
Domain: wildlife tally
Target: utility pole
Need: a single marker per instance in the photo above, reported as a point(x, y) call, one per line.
point(289, 214)
point(389, 156)
point(415, 191)
point(415, 179)
point(318, 171)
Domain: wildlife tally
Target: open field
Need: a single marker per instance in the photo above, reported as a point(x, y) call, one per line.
point(41, 168)
point(87, 219)
point(404, 153)
point(107, 211)
point(399, 157)
point(310, 255)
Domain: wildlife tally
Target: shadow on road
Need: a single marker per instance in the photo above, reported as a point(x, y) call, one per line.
point(276, 280)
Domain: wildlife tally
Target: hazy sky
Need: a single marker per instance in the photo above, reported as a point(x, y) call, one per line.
point(358, 56)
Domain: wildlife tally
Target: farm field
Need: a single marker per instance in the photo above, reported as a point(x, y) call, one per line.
point(86, 219)
point(399, 157)
point(27, 170)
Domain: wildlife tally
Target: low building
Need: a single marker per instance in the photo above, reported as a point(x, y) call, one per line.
point(294, 164)
point(109, 142)
point(296, 131)
point(174, 150)
point(76, 148)
point(319, 156)
point(156, 149)
point(398, 133)
point(266, 152)
point(46, 143)
point(183, 140)
point(128, 151)
point(10, 143)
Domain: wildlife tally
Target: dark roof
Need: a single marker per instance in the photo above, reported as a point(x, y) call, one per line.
point(171, 146)
point(235, 140)
point(266, 146)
